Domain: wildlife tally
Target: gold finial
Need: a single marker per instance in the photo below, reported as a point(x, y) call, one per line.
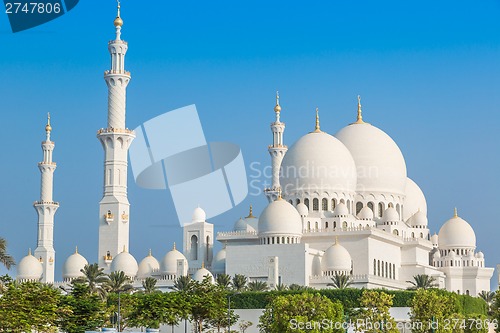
point(124, 248)
point(279, 193)
point(250, 215)
point(456, 212)
point(277, 108)
point(76, 249)
point(118, 20)
point(48, 128)
point(316, 129)
point(202, 264)
point(150, 254)
point(29, 251)
point(174, 248)
point(360, 113)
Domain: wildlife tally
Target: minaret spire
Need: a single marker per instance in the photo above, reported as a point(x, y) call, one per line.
point(359, 119)
point(115, 139)
point(46, 209)
point(277, 151)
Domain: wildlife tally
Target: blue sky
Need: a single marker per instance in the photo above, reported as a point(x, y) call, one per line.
point(428, 73)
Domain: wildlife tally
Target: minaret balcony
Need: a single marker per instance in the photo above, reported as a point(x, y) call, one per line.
point(108, 72)
point(46, 203)
point(108, 217)
point(277, 146)
point(108, 258)
point(114, 130)
point(117, 41)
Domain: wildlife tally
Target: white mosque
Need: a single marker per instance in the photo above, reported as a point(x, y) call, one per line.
point(338, 203)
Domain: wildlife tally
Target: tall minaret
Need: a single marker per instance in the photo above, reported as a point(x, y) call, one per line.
point(277, 151)
point(116, 140)
point(46, 209)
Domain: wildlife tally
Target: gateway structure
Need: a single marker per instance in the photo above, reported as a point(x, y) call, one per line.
point(339, 203)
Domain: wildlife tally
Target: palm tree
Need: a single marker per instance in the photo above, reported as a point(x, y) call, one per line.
point(423, 281)
point(297, 287)
point(281, 287)
point(488, 297)
point(239, 282)
point(5, 259)
point(118, 282)
point(94, 278)
point(223, 280)
point(257, 286)
point(149, 285)
point(340, 281)
point(182, 283)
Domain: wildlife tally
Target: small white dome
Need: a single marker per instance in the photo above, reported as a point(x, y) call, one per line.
point(418, 219)
point(126, 263)
point(240, 225)
point(147, 266)
point(318, 162)
point(437, 255)
point(201, 273)
point(340, 210)
point(456, 233)
point(169, 263)
point(435, 240)
point(414, 200)
point(336, 258)
point(219, 263)
point(252, 221)
point(390, 215)
point(73, 265)
point(280, 218)
point(29, 268)
point(480, 255)
point(380, 164)
point(302, 209)
point(365, 214)
point(199, 215)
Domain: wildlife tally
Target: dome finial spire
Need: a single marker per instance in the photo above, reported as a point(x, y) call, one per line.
point(250, 215)
point(118, 22)
point(279, 193)
point(76, 249)
point(277, 108)
point(174, 248)
point(360, 115)
point(456, 212)
point(150, 253)
point(203, 264)
point(317, 128)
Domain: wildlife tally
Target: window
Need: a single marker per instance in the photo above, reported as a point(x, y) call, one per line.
point(396, 232)
point(306, 202)
point(194, 247)
point(324, 204)
point(208, 249)
point(316, 204)
point(374, 267)
point(309, 225)
point(370, 205)
point(380, 209)
point(334, 204)
point(344, 225)
point(359, 207)
point(326, 225)
point(297, 201)
point(316, 226)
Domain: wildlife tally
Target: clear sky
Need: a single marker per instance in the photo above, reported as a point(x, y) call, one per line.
point(428, 73)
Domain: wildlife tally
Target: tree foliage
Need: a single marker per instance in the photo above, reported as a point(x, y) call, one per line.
point(340, 281)
point(374, 316)
point(240, 282)
point(5, 259)
point(423, 281)
point(305, 312)
point(433, 310)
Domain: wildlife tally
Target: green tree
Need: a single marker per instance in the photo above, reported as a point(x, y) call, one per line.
point(118, 282)
point(373, 316)
point(127, 305)
point(31, 306)
point(340, 281)
point(94, 277)
point(5, 259)
point(244, 325)
point(423, 281)
point(155, 309)
point(433, 310)
point(183, 283)
point(239, 282)
point(149, 285)
point(257, 286)
point(208, 305)
point(87, 310)
point(300, 313)
point(297, 287)
point(281, 287)
point(223, 280)
point(489, 298)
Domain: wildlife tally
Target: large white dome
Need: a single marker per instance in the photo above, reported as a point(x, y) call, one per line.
point(169, 261)
point(73, 265)
point(336, 258)
point(29, 268)
point(126, 263)
point(280, 218)
point(147, 266)
point(456, 233)
point(379, 161)
point(414, 201)
point(318, 162)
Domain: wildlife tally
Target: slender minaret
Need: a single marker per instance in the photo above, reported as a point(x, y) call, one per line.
point(46, 209)
point(116, 140)
point(277, 151)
